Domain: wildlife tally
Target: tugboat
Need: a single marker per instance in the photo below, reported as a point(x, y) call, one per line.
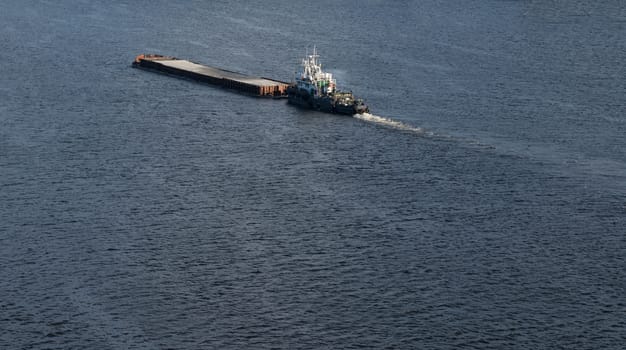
point(315, 89)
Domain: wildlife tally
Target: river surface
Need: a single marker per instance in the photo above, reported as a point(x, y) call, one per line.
point(482, 204)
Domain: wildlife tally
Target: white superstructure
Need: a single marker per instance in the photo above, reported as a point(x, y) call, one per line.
point(311, 78)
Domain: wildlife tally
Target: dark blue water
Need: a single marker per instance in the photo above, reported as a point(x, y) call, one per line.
point(481, 205)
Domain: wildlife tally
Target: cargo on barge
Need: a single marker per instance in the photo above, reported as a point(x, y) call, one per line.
point(255, 86)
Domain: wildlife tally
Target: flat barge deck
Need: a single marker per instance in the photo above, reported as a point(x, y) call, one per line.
point(255, 86)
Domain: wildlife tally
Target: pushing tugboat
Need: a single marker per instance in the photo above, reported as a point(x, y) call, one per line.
point(317, 90)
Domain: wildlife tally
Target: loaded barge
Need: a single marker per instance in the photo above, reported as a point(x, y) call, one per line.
point(256, 86)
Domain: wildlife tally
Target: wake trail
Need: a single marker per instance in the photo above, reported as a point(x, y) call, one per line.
point(390, 123)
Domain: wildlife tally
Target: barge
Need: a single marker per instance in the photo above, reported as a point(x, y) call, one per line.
point(256, 86)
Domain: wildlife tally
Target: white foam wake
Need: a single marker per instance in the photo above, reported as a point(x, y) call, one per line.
point(389, 123)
